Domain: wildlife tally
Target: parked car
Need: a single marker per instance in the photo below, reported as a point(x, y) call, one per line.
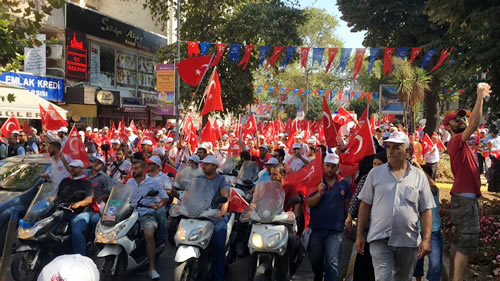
point(19, 182)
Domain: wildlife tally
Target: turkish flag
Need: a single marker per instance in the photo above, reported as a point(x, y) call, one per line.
point(26, 127)
point(208, 134)
point(234, 148)
point(216, 128)
point(342, 117)
point(444, 55)
point(193, 49)
point(43, 117)
point(439, 144)
point(133, 127)
point(269, 134)
point(309, 177)
point(148, 135)
point(192, 70)
point(372, 124)
point(169, 169)
point(360, 145)
point(213, 99)
point(358, 61)
point(370, 94)
point(388, 60)
point(237, 203)
point(276, 53)
point(251, 127)
point(75, 149)
point(427, 145)
point(190, 133)
point(220, 52)
point(246, 58)
point(414, 53)
point(304, 54)
point(332, 52)
point(53, 120)
point(329, 130)
point(12, 124)
point(364, 117)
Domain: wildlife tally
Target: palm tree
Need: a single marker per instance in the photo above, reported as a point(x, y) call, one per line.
point(412, 84)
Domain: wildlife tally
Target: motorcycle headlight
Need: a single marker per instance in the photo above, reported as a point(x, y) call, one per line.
point(195, 234)
point(109, 237)
point(257, 240)
point(181, 233)
point(29, 232)
point(273, 239)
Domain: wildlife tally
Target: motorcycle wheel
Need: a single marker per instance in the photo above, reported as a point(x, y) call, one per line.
point(185, 271)
point(105, 266)
point(20, 266)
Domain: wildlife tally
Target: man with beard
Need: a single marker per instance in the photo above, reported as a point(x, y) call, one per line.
point(147, 217)
point(120, 167)
point(466, 189)
point(154, 168)
point(28, 141)
point(101, 186)
point(59, 166)
point(14, 147)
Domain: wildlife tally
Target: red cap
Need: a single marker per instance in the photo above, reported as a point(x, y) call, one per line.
point(450, 116)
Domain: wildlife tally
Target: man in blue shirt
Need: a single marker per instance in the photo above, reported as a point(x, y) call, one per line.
point(147, 217)
point(328, 211)
point(14, 148)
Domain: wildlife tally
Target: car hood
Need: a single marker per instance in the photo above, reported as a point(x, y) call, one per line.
point(7, 195)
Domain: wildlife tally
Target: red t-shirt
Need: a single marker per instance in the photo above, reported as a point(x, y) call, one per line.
point(261, 162)
point(290, 191)
point(464, 167)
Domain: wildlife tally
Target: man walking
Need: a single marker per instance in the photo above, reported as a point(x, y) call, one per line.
point(464, 207)
point(395, 195)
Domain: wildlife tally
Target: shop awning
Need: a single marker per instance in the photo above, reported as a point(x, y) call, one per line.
point(23, 104)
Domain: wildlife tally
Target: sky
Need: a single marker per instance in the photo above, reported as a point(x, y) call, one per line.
point(350, 39)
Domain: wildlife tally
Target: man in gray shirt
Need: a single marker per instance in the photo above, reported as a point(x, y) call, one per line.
point(396, 195)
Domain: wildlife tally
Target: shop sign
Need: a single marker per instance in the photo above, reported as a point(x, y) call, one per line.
point(88, 95)
point(149, 99)
point(93, 23)
point(105, 97)
point(131, 101)
point(35, 58)
point(48, 88)
point(76, 55)
point(165, 88)
point(131, 108)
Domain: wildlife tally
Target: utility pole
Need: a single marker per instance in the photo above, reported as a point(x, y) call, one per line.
point(177, 77)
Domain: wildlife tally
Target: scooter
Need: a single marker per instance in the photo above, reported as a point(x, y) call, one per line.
point(118, 234)
point(44, 234)
point(193, 237)
point(272, 230)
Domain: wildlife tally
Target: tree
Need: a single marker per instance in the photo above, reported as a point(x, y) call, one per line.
point(401, 23)
point(263, 22)
point(19, 25)
point(359, 105)
point(316, 108)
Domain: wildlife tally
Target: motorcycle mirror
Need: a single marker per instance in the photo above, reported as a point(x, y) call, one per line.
point(295, 200)
point(152, 193)
point(220, 200)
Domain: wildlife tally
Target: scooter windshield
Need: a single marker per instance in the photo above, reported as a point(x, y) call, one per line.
point(42, 203)
point(118, 206)
point(184, 176)
point(198, 197)
point(267, 201)
point(249, 171)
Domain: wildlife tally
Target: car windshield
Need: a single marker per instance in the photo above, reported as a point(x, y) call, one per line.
point(118, 206)
point(198, 197)
point(18, 176)
point(267, 201)
point(42, 203)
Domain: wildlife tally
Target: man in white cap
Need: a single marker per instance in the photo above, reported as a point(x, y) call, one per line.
point(263, 156)
point(219, 183)
point(172, 149)
point(303, 147)
point(89, 143)
point(297, 159)
point(59, 164)
point(132, 138)
point(146, 148)
point(264, 174)
point(62, 135)
point(70, 268)
point(76, 191)
point(155, 172)
point(101, 185)
point(396, 196)
point(327, 231)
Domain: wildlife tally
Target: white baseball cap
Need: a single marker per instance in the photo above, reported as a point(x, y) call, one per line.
point(159, 133)
point(100, 158)
point(261, 137)
point(311, 141)
point(81, 133)
point(62, 129)
point(296, 146)
point(96, 130)
point(76, 163)
point(115, 141)
point(15, 132)
point(106, 128)
point(159, 150)
point(272, 161)
point(170, 140)
point(263, 146)
point(281, 135)
point(331, 158)
point(194, 158)
point(398, 137)
point(299, 136)
point(128, 129)
point(70, 268)
point(210, 159)
point(156, 160)
point(225, 136)
point(148, 142)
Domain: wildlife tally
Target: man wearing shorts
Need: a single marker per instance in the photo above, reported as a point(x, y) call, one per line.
point(464, 208)
point(147, 217)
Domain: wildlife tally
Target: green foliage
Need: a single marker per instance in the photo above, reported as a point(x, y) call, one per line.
point(291, 111)
point(358, 106)
point(19, 25)
point(316, 108)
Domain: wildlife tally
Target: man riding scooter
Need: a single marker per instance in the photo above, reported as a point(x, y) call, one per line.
point(147, 217)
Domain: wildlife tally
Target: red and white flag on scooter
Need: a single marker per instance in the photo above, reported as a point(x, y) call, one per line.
point(237, 203)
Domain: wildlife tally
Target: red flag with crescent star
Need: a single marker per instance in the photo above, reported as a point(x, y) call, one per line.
point(193, 49)
point(444, 55)
point(342, 117)
point(53, 120)
point(220, 52)
point(276, 53)
point(388, 60)
point(12, 124)
point(304, 54)
point(246, 58)
point(237, 203)
point(360, 144)
point(358, 61)
point(213, 99)
point(75, 149)
point(192, 70)
point(427, 145)
point(309, 177)
point(414, 53)
point(190, 133)
point(329, 129)
point(332, 52)
point(250, 127)
point(208, 134)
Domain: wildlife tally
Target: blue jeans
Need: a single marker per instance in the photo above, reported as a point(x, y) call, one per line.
point(324, 252)
point(78, 224)
point(435, 259)
point(219, 250)
point(161, 218)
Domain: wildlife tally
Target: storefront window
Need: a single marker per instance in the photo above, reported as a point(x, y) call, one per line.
point(126, 66)
point(147, 79)
point(102, 65)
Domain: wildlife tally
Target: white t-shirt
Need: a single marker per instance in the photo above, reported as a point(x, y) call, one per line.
point(172, 152)
point(495, 143)
point(295, 163)
point(432, 157)
point(58, 172)
point(445, 135)
point(164, 179)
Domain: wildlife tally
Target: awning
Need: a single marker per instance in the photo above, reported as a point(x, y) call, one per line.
point(23, 104)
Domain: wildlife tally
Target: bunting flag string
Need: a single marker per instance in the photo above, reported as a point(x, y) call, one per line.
point(373, 56)
point(289, 53)
point(388, 60)
point(330, 94)
point(276, 53)
point(345, 54)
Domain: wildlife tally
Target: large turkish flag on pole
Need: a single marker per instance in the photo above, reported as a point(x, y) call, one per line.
point(213, 99)
point(360, 145)
point(192, 70)
point(10, 125)
point(75, 149)
point(329, 126)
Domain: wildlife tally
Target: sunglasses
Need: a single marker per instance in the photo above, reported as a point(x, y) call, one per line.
point(458, 118)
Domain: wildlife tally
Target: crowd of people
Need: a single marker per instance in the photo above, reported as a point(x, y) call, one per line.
point(393, 197)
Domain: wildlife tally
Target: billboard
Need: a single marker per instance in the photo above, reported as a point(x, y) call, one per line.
point(389, 100)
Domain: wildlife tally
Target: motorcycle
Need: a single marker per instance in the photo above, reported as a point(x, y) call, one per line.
point(272, 231)
point(193, 237)
point(44, 234)
point(118, 234)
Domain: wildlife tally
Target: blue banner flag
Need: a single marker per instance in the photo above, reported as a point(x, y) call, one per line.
point(332, 96)
point(345, 54)
point(318, 55)
point(373, 56)
point(271, 89)
point(427, 57)
point(295, 91)
point(375, 96)
point(402, 52)
point(283, 90)
point(259, 88)
point(321, 92)
point(357, 95)
point(204, 46)
point(263, 50)
point(289, 53)
point(234, 53)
